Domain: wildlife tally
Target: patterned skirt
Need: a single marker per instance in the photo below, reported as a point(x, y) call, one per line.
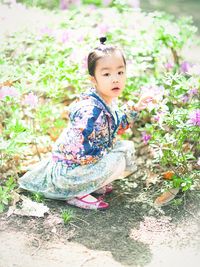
point(54, 180)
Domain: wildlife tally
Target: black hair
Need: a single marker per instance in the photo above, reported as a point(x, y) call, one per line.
point(100, 52)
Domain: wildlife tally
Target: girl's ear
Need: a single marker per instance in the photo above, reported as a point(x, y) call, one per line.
point(92, 79)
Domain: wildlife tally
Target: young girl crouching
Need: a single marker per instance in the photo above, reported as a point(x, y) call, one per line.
point(86, 157)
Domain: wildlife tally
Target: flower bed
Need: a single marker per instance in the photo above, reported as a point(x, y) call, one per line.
point(42, 71)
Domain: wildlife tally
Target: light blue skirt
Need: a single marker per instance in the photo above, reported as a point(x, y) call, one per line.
point(54, 180)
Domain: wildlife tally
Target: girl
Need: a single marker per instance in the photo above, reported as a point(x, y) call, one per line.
point(86, 158)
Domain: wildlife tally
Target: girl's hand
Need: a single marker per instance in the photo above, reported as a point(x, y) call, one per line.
point(143, 102)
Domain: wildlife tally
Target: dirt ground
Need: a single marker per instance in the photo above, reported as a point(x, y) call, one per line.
point(132, 232)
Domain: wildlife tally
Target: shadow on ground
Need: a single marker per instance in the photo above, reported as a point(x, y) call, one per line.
point(110, 230)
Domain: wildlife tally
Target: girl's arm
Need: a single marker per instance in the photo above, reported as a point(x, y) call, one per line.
point(131, 110)
point(129, 115)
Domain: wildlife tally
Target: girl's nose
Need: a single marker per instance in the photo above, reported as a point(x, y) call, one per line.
point(115, 79)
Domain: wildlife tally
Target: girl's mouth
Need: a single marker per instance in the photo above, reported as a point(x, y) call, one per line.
point(116, 89)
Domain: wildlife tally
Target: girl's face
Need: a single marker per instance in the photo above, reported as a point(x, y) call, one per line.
point(110, 76)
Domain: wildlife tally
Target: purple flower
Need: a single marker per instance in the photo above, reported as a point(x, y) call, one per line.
point(156, 118)
point(31, 100)
point(185, 66)
point(145, 137)
point(185, 98)
point(193, 92)
point(8, 91)
point(194, 118)
point(65, 4)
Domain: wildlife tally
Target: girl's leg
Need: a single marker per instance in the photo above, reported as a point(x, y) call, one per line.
point(117, 173)
point(126, 164)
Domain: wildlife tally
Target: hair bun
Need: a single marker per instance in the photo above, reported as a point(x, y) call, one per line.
point(102, 40)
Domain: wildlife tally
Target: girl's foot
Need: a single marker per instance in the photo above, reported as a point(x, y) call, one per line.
point(104, 190)
point(88, 202)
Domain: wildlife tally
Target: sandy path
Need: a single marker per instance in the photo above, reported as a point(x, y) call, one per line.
point(20, 250)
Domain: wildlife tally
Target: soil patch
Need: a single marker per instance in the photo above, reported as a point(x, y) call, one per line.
point(132, 232)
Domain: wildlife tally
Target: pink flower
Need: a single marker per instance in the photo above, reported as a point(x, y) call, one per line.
point(80, 38)
point(145, 137)
point(84, 63)
point(106, 2)
point(194, 118)
point(103, 29)
point(156, 91)
point(65, 36)
point(45, 31)
point(169, 66)
point(134, 3)
point(91, 8)
point(8, 91)
point(31, 100)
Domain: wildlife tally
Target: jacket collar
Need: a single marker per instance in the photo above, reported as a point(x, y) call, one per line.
point(92, 92)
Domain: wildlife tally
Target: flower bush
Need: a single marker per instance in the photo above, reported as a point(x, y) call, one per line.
point(43, 69)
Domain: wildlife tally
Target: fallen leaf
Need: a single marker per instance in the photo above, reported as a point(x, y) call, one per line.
point(166, 197)
point(15, 198)
point(29, 208)
point(168, 175)
point(6, 83)
point(54, 133)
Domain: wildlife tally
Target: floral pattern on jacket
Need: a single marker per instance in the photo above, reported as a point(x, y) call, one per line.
point(92, 130)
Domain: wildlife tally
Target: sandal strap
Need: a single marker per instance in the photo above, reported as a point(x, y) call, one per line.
point(80, 198)
point(89, 202)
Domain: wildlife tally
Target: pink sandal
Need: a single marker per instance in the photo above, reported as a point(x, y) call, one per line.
point(89, 205)
point(104, 190)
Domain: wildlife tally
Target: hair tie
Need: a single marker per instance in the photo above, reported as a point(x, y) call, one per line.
point(102, 40)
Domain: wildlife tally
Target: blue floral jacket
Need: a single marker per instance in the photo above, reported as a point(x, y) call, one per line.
point(92, 130)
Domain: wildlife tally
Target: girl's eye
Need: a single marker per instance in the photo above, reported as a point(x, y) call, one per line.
point(106, 74)
point(120, 72)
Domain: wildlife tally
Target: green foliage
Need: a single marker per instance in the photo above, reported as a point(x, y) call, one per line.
point(50, 4)
point(182, 182)
point(67, 215)
point(6, 193)
point(46, 69)
point(37, 197)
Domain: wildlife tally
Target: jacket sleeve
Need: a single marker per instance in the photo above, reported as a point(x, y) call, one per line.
point(128, 116)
